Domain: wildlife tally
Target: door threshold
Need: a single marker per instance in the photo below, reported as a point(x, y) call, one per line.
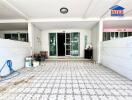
point(66, 58)
point(58, 59)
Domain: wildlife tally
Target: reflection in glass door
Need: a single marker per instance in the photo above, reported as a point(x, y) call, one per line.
point(75, 44)
point(67, 43)
point(52, 45)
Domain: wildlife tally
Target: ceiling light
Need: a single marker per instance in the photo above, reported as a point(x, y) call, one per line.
point(64, 10)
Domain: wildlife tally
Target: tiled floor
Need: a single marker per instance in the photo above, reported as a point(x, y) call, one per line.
point(67, 80)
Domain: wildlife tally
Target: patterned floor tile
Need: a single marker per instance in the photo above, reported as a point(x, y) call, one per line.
point(67, 80)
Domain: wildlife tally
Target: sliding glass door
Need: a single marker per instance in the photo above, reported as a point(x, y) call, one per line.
point(52, 44)
point(72, 44)
point(75, 44)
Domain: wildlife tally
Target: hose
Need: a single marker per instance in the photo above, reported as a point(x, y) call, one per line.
point(11, 74)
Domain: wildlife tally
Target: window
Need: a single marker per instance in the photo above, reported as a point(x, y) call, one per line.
point(104, 36)
point(125, 34)
point(116, 34)
point(7, 36)
point(14, 36)
point(113, 35)
point(129, 33)
point(121, 34)
point(17, 36)
point(24, 37)
point(108, 36)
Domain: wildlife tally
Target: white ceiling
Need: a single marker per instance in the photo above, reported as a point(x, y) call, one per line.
point(127, 4)
point(13, 26)
point(36, 9)
point(99, 7)
point(8, 13)
point(118, 24)
point(65, 25)
point(50, 9)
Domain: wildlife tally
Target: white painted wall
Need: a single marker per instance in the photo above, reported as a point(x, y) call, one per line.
point(37, 39)
point(95, 41)
point(15, 51)
point(117, 55)
point(34, 35)
point(83, 32)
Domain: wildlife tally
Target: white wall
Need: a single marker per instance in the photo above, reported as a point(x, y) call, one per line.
point(95, 41)
point(83, 32)
point(117, 55)
point(34, 38)
point(37, 39)
point(15, 51)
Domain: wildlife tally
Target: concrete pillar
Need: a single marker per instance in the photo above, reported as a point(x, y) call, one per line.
point(100, 40)
point(30, 37)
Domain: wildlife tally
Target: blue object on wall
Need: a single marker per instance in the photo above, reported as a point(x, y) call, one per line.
point(117, 10)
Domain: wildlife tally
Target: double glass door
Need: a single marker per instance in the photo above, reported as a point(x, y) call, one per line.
point(72, 44)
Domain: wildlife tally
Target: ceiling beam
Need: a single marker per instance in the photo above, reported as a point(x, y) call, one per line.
point(95, 25)
point(90, 3)
point(36, 26)
point(15, 9)
point(14, 21)
point(116, 18)
point(64, 20)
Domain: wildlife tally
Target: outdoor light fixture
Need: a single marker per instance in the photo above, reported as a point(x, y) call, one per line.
point(64, 10)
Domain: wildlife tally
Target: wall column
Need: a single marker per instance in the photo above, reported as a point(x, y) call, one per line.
point(30, 37)
point(100, 40)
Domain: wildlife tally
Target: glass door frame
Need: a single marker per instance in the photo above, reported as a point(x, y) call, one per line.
point(55, 44)
point(65, 44)
point(74, 55)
